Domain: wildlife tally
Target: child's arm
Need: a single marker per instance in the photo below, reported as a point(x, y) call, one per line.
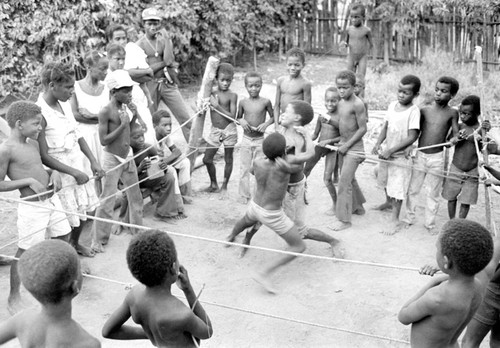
point(108, 138)
point(233, 101)
point(239, 116)
point(277, 104)
point(136, 116)
point(262, 127)
point(423, 304)
point(380, 140)
point(175, 154)
point(329, 141)
point(15, 184)
point(360, 112)
point(410, 139)
point(307, 92)
point(114, 328)
point(317, 130)
point(146, 92)
point(302, 157)
point(487, 273)
point(199, 324)
point(286, 166)
point(82, 115)
point(369, 37)
point(94, 165)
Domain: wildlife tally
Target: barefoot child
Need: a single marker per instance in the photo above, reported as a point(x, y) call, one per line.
point(436, 121)
point(293, 86)
point(114, 133)
point(223, 131)
point(352, 127)
point(359, 41)
point(400, 131)
point(441, 310)
point(272, 174)
point(327, 127)
point(171, 154)
point(20, 160)
point(252, 117)
point(50, 271)
point(163, 319)
point(461, 184)
point(63, 148)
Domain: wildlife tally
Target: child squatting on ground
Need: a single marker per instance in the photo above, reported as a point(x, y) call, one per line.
point(163, 319)
point(223, 111)
point(50, 271)
point(440, 311)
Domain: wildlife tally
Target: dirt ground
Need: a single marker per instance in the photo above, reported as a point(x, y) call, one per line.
point(336, 294)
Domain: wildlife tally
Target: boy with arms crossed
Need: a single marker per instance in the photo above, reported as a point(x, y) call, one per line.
point(20, 160)
point(352, 127)
point(327, 127)
point(436, 121)
point(359, 41)
point(252, 117)
point(441, 310)
point(163, 319)
point(114, 133)
point(223, 101)
point(400, 130)
point(50, 271)
point(293, 86)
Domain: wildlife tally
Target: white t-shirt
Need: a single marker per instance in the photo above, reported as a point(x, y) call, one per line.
point(398, 125)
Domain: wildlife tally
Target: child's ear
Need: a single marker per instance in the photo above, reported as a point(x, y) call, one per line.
point(446, 262)
point(75, 287)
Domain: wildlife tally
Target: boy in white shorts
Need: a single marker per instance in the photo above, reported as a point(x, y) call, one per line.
point(400, 130)
point(20, 160)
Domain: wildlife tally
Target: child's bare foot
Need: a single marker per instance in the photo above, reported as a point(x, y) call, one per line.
point(167, 219)
point(432, 230)
point(243, 200)
point(187, 200)
point(337, 250)
point(392, 228)
point(182, 216)
point(359, 211)
point(264, 282)
point(85, 268)
point(383, 206)
point(229, 239)
point(223, 194)
point(246, 241)
point(212, 188)
point(405, 225)
point(84, 251)
point(97, 247)
point(340, 225)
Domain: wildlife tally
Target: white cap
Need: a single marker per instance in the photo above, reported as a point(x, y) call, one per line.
point(118, 79)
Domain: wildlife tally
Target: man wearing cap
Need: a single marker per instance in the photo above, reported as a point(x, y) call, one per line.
point(114, 133)
point(160, 57)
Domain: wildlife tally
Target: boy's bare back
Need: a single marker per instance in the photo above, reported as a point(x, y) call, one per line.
point(298, 88)
point(272, 180)
point(435, 123)
point(114, 130)
point(34, 329)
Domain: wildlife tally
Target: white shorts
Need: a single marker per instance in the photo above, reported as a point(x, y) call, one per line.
point(33, 222)
point(276, 220)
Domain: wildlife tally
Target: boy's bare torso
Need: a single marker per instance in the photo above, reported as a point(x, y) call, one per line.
point(465, 157)
point(23, 161)
point(272, 183)
point(358, 40)
point(329, 126)
point(35, 330)
point(161, 317)
point(254, 112)
point(457, 302)
point(291, 89)
point(121, 145)
point(225, 99)
point(348, 123)
point(435, 123)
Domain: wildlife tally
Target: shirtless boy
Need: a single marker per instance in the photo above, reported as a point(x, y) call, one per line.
point(400, 131)
point(164, 320)
point(222, 101)
point(20, 160)
point(252, 117)
point(50, 271)
point(327, 128)
point(272, 174)
point(352, 127)
point(114, 133)
point(441, 310)
point(436, 121)
point(359, 40)
point(293, 86)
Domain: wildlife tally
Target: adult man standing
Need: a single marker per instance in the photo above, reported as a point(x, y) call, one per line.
point(160, 57)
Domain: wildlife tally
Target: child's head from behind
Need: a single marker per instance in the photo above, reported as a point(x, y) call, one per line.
point(96, 64)
point(116, 56)
point(345, 81)
point(295, 61)
point(465, 246)
point(446, 88)
point(297, 113)
point(408, 89)
point(25, 116)
point(58, 79)
point(137, 136)
point(224, 76)
point(152, 258)
point(253, 83)
point(470, 108)
point(359, 85)
point(162, 121)
point(50, 271)
point(332, 98)
point(358, 12)
point(274, 146)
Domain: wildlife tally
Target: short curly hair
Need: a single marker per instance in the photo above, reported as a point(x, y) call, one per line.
point(454, 85)
point(110, 30)
point(21, 110)
point(296, 52)
point(475, 102)
point(412, 80)
point(274, 146)
point(92, 58)
point(303, 109)
point(346, 75)
point(158, 115)
point(467, 244)
point(114, 48)
point(151, 256)
point(57, 72)
point(48, 269)
point(252, 74)
point(224, 68)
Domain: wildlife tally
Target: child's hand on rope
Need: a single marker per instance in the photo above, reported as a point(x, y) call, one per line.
point(244, 124)
point(428, 270)
point(55, 180)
